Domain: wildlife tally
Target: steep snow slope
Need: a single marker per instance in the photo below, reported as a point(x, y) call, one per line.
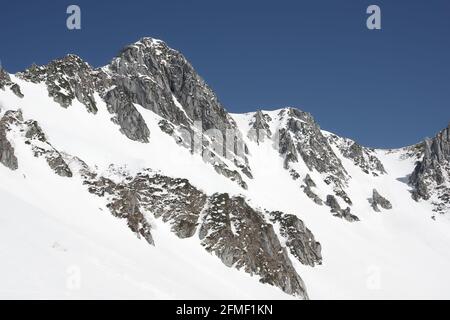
point(98, 141)
point(54, 229)
point(400, 253)
point(59, 242)
point(50, 223)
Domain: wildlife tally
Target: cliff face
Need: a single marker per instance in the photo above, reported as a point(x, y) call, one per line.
point(431, 176)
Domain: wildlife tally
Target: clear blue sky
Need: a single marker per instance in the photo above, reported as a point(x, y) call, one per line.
point(384, 88)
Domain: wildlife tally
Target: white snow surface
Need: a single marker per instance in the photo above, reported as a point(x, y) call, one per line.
point(59, 241)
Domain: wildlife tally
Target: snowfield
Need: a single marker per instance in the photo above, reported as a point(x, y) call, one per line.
point(58, 241)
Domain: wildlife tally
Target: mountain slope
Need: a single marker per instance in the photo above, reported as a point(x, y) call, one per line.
point(123, 173)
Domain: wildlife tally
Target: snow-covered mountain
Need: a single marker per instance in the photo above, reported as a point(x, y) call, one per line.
point(133, 181)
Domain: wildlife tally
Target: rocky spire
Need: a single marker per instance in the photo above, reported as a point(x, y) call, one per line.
point(433, 172)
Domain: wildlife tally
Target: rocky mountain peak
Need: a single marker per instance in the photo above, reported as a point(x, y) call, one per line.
point(278, 159)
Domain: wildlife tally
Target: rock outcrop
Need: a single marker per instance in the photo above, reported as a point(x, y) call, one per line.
point(362, 157)
point(259, 127)
point(298, 238)
point(66, 79)
point(431, 176)
point(241, 236)
point(307, 189)
point(300, 137)
point(379, 201)
point(338, 212)
point(7, 156)
point(153, 76)
point(5, 81)
point(32, 135)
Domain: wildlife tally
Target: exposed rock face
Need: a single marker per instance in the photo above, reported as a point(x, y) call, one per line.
point(338, 212)
point(307, 189)
point(4, 78)
point(176, 201)
point(123, 201)
point(310, 144)
point(5, 81)
point(301, 137)
point(150, 74)
point(287, 147)
point(16, 89)
point(158, 78)
point(7, 156)
point(297, 137)
point(66, 79)
point(379, 201)
point(34, 137)
point(362, 157)
point(298, 238)
point(227, 226)
point(232, 174)
point(431, 176)
point(41, 147)
point(260, 128)
point(127, 117)
point(241, 237)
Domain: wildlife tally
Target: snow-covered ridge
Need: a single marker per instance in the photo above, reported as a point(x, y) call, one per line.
point(142, 144)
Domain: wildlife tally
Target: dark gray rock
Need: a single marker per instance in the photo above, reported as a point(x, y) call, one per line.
point(287, 147)
point(333, 204)
point(227, 226)
point(150, 74)
point(33, 133)
point(379, 201)
point(131, 122)
point(66, 79)
point(307, 190)
point(347, 215)
point(15, 88)
point(242, 238)
point(259, 127)
point(55, 160)
point(4, 78)
point(298, 238)
point(124, 202)
point(310, 143)
point(5, 81)
point(157, 77)
point(176, 201)
point(233, 175)
point(71, 78)
point(433, 171)
point(166, 127)
point(338, 212)
point(58, 164)
point(362, 157)
point(309, 182)
point(7, 156)
point(301, 137)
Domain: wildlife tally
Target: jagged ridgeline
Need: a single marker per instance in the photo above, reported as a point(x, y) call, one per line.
point(155, 77)
point(160, 79)
point(153, 100)
point(241, 236)
point(431, 175)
